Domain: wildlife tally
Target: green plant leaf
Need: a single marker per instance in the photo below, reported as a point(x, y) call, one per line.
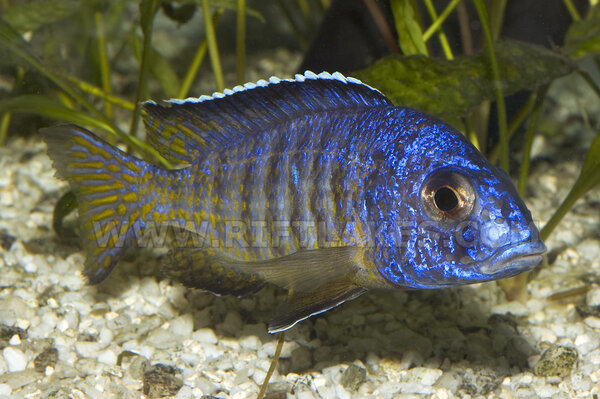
point(410, 36)
point(589, 177)
point(30, 16)
point(160, 68)
point(448, 89)
point(50, 108)
point(148, 9)
point(583, 37)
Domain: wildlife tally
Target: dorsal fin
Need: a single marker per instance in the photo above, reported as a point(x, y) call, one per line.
point(183, 130)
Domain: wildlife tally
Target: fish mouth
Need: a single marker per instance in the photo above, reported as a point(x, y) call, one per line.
point(514, 259)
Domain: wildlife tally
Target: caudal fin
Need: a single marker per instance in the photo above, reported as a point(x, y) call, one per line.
point(105, 181)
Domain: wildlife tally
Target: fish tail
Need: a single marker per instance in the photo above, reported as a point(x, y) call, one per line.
point(106, 183)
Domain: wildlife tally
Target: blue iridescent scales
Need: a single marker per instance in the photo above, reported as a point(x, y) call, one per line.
point(317, 184)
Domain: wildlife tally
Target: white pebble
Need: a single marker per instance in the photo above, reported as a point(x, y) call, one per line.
point(5, 389)
point(105, 337)
point(182, 325)
point(581, 382)
point(586, 344)
point(185, 393)
point(107, 357)
point(305, 394)
point(592, 321)
point(14, 340)
point(593, 297)
point(212, 351)
point(205, 336)
point(13, 309)
point(162, 339)
point(15, 359)
point(29, 263)
point(250, 342)
point(87, 349)
point(589, 249)
point(259, 376)
point(423, 375)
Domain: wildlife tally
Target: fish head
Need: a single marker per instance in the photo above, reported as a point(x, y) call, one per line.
point(452, 218)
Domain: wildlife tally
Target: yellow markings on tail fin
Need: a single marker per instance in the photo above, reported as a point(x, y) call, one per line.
point(90, 176)
point(103, 215)
point(79, 154)
point(128, 178)
point(91, 165)
point(130, 197)
point(111, 199)
point(105, 181)
point(115, 186)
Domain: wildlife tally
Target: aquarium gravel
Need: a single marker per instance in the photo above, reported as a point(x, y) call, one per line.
point(137, 335)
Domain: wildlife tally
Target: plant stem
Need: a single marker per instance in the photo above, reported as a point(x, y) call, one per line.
point(465, 28)
point(213, 50)
point(572, 10)
point(98, 92)
point(483, 17)
point(514, 125)
point(440, 20)
point(382, 26)
point(590, 81)
point(193, 70)
point(197, 61)
point(147, 23)
point(562, 210)
point(441, 34)
point(497, 8)
point(305, 10)
point(533, 120)
point(4, 123)
point(263, 387)
point(241, 41)
point(104, 66)
point(471, 133)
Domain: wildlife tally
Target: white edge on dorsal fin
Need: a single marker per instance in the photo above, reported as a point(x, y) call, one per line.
point(273, 80)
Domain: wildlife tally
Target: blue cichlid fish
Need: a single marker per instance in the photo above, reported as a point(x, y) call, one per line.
point(317, 184)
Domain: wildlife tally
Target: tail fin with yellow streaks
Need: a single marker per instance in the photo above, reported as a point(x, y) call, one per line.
point(106, 182)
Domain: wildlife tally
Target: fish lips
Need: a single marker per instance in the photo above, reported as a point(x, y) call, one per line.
point(513, 259)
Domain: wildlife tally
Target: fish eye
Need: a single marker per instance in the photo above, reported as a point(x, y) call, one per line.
point(447, 196)
point(445, 199)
